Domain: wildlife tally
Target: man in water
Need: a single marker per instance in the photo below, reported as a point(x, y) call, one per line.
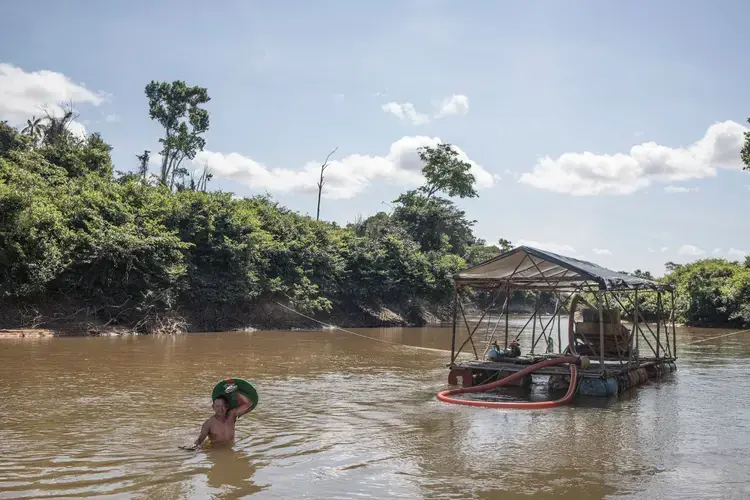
point(220, 427)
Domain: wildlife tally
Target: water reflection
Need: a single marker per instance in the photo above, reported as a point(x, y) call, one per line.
point(230, 471)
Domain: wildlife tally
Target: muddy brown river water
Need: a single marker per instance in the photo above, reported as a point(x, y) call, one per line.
point(345, 417)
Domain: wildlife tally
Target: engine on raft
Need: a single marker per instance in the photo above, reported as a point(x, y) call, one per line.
point(496, 353)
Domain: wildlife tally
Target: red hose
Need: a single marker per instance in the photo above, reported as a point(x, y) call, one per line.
point(445, 396)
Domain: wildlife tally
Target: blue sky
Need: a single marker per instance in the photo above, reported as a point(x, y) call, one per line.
point(524, 89)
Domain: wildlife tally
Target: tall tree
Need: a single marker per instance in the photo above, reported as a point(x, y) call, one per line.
point(671, 266)
point(435, 223)
point(646, 275)
point(445, 171)
point(505, 245)
point(177, 108)
point(320, 182)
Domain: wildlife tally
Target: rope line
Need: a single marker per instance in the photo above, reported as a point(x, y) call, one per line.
point(717, 337)
point(333, 327)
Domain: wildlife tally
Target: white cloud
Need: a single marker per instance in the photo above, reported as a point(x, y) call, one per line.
point(23, 94)
point(550, 246)
point(26, 94)
point(77, 129)
point(344, 178)
point(339, 97)
point(717, 251)
point(691, 250)
point(663, 249)
point(453, 105)
point(112, 117)
point(737, 254)
point(589, 174)
point(406, 111)
point(601, 251)
point(680, 189)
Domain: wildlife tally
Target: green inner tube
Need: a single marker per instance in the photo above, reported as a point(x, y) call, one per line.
point(242, 385)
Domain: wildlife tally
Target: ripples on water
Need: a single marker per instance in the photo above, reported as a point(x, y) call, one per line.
point(344, 417)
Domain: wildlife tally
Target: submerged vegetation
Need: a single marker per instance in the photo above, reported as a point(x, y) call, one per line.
point(85, 246)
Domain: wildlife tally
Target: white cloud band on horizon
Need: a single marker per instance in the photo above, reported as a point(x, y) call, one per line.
point(344, 178)
point(690, 250)
point(737, 254)
point(550, 246)
point(590, 174)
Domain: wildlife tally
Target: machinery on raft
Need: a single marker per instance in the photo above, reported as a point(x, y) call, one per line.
point(601, 357)
point(496, 353)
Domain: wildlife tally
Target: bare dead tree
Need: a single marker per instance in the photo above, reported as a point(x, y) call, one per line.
point(321, 181)
point(57, 126)
point(205, 177)
point(143, 165)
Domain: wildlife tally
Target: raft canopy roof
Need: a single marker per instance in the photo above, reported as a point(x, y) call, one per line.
point(527, 268)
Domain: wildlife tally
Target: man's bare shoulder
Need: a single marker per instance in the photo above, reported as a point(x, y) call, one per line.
point(210, 421)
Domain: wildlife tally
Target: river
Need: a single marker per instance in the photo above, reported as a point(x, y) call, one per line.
point(341, 416)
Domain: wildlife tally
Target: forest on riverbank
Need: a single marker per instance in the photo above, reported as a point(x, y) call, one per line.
point(84, 246)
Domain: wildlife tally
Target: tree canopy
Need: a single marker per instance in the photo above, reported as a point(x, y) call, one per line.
point(177, 109)
point(445, 171)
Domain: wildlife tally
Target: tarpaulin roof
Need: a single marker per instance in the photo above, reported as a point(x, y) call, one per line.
point(533, 269)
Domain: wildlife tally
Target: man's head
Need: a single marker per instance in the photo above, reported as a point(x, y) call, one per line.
point(220, 406)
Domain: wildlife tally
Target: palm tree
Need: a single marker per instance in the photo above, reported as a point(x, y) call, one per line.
point(33, 129)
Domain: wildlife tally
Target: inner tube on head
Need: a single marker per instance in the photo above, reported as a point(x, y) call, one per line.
point(234, 385)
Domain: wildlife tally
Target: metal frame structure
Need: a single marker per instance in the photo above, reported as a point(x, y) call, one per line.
point(570, 281)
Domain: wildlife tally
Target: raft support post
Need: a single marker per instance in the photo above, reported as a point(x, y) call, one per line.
point(674, 332)
point(636, 328)
point(600, 306)
point(455, 317)
point(507, 314)
point(658, 323)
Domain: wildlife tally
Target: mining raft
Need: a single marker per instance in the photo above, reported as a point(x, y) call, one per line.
point(587, 320)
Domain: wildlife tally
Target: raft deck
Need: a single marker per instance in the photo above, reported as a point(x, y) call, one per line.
point(512, 365)
point(592, 381)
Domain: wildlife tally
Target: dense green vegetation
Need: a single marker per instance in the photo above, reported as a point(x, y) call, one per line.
point(711, 292)
point(82, 244)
